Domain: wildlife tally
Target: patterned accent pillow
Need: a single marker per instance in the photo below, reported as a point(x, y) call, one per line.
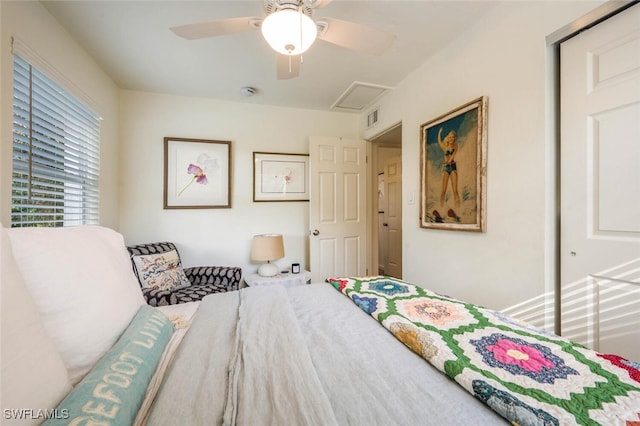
point(113, 391)
point(160, 271)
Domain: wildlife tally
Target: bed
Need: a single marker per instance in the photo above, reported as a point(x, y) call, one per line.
point(302, 355)
point(310, 355)
point(351, 350)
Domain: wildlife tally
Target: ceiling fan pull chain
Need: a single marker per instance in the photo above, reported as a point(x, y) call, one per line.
point(289, 63)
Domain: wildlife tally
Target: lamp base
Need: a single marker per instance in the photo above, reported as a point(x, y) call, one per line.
point(268, 270)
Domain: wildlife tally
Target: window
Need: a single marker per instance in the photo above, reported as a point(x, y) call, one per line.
point(56, 153)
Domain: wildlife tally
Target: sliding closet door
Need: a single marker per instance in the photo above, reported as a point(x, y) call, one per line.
point(600, 185)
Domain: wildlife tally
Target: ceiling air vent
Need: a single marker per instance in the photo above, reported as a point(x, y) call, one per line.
point(359, 96)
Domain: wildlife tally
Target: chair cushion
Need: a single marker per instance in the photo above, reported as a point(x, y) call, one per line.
point(192, 293)
point(160, 271)
point(33, 373)
point(223, 277)
point(83, 285)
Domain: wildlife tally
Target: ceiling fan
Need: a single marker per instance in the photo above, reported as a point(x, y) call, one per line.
point(289, 28)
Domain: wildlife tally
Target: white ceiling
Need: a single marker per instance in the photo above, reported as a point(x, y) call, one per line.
point(132, 42)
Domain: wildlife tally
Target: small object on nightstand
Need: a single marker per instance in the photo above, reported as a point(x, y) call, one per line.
point(295, 268)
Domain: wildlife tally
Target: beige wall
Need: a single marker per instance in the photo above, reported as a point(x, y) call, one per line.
point(35, 27)
point(216, 236)
point(3, 153)
point(504, 57)
point(131, 156)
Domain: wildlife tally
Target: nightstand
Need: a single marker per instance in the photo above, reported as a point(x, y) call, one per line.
point(286, 279)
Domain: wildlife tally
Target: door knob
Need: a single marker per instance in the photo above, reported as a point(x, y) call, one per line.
point(315, 232)
point(385, 224)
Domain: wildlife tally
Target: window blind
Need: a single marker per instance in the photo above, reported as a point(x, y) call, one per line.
point(56, 153)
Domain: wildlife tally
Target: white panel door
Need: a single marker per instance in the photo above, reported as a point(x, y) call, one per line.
point(337, 208)
point(600, 186)
point(383, 245)
point(393, 216)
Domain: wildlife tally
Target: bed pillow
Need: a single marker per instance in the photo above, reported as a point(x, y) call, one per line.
point(112, 392)
point(34, 377)
point(83, 285)
point(160, 271)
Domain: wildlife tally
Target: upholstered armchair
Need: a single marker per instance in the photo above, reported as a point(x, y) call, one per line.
point(164, 282)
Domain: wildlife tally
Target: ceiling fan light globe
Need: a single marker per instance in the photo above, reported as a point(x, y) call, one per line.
point(289, 32)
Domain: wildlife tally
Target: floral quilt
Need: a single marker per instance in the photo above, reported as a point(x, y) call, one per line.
point(526, 375)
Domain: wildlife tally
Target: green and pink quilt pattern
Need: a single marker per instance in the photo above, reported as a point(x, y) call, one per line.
point(527, 376)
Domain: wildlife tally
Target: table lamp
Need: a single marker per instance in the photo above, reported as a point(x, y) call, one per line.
point(266, 248)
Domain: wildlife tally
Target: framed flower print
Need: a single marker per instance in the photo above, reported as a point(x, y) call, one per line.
point(197, 173)
point(280, 177)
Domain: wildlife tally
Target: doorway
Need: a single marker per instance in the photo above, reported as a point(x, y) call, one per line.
point(386, 185)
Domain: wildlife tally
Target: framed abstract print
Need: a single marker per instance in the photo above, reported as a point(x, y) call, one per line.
point(280, 177)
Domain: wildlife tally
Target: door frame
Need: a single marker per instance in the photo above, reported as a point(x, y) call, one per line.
point(553, 195)
point(372, 194)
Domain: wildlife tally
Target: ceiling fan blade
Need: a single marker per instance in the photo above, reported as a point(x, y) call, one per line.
point(354, 36)
point(316, 4)
point(288, 66)
point(217, 28)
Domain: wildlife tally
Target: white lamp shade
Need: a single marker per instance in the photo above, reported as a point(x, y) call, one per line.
point(289, 32)
point(267, 247)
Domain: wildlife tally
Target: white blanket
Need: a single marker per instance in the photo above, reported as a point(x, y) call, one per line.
point(303, 356)
point(271, 374)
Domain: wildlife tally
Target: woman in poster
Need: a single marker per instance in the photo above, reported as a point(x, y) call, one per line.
point(450, 169)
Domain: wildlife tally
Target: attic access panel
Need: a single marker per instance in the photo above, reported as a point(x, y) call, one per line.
point(359, 96)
